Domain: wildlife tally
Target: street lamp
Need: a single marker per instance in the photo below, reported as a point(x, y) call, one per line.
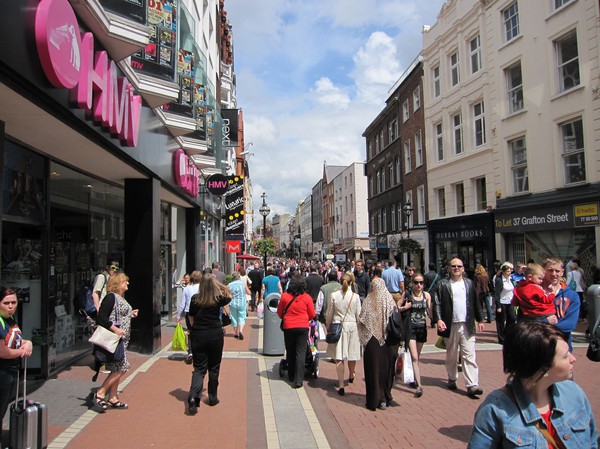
point(408, 211)
point(264, 211)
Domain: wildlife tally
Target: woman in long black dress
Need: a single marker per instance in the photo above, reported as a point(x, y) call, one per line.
point(206, 337)
point(379, 358)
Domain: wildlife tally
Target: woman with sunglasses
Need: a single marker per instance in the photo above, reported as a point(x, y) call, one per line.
point(418, 303)
point(12, 348)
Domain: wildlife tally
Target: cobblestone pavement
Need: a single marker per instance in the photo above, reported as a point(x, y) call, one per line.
point(258, 409)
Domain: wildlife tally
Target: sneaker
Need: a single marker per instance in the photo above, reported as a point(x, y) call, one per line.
point(474, 391)
point(419, 392)
point(451, 384)
point(382, 406)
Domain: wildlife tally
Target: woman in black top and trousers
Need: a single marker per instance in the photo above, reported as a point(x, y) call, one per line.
point(206, 337)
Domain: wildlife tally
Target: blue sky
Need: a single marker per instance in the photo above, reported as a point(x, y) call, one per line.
point(311, 76)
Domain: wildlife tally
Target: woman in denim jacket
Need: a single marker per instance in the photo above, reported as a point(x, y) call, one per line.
point(539, 403)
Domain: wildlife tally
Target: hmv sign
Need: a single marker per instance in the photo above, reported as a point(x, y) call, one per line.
point(217, 184)
point(70, 62)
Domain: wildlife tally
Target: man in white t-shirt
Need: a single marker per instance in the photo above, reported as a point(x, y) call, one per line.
point(455, 312)
point(100, 282)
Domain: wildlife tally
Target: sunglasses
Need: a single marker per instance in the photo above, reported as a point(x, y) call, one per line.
point(417, 282)
point(114, 268)
point(456, 266)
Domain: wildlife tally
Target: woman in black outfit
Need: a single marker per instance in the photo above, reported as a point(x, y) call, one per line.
point(206, 336)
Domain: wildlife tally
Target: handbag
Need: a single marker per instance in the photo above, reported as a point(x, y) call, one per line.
point(225, 319)
point(334, 333)
point(593, 351)
point(394, 330)
point(105, 339)
point(103, 356)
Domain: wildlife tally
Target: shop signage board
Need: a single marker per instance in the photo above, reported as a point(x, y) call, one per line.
point(551, 218)
point(70, 62)
point(217, 184)
point(187, 175)
point(234, 206)
point(234, 246)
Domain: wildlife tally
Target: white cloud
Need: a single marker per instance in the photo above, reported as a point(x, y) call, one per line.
point(311, 76)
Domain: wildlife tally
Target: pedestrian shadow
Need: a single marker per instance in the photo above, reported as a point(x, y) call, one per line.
point(177, 356)
point(179, 394)
point(460, 432)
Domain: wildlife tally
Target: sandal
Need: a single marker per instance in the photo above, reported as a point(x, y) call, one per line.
point(99, 402)
point(118, 404)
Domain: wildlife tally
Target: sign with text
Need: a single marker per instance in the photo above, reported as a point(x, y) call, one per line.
point(560, 217)
point(586, 215)
point(234, 206)
point(217, 184)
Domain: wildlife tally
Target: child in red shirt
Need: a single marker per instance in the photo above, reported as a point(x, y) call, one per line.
point(530, 297)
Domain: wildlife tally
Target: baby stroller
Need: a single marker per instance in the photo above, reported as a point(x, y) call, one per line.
point(311, 362)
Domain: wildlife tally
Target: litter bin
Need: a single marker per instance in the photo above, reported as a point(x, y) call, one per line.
point(273, 343)
point(592, 296)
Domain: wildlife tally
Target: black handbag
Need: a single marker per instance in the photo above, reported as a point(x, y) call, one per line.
point(394, 329)
point(593, 351)
point(334, 333)
point(225, 319)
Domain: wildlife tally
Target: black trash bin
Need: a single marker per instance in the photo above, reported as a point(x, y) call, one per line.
point(273, 343)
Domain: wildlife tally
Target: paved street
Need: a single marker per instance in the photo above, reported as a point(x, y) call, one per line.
point(260, 410)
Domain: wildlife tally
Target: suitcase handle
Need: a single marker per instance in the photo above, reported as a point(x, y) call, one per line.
point(24, 385)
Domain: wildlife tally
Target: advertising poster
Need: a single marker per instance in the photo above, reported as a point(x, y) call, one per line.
point(234, 206)
point(134, 10)
point(185, 74)
point(159, 57)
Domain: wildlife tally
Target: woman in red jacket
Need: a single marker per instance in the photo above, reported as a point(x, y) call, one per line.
point(296, 309)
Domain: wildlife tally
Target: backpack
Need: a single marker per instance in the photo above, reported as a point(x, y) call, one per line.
point(84, 300)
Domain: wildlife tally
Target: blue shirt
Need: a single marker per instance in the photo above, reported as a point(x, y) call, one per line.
point(238, 294)
point(392, 278)
point(507, 421)
point(271, 284)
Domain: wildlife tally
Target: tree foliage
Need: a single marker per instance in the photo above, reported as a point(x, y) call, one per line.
point(268, 245)
point(409, 246)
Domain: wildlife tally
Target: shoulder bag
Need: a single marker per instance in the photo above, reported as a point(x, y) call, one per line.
point(593, 351)
point(334, 332)
point(105, 338)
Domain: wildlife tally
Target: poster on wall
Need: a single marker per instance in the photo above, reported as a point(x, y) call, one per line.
point(185, 73)
point(134, 10)
point(158, 57)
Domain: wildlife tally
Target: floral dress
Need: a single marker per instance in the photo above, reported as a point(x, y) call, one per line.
point(124, 315)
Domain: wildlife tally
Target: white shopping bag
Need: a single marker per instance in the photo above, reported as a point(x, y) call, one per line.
point(408, 375)
point(322, 332)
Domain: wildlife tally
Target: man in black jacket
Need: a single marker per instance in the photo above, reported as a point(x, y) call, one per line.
point(314, 282)
point(455, 312)
point(256, 276)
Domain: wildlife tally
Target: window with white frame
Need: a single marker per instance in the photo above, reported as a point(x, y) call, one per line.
point(371, 186)
point(481, 193)
point(514, 87)
point(391, 173)
point(459, 191)
point(439, 140)
point(567, 57)
point(416, 99)
point(373, 230)
point(407, 158)
point(393, 217)
point(435, 75)
point(479, 123)
point(377, 149)
point(560, 3)
point(573, 156)
point(405, 113)
point(454, 69)
point(520, 173)
point(382, 179)
point(475, 49)
point(384, 219)
point(441, 201)
point(381, 144)
point(420, 204)
point(458, 133)
point(393, 130)
point(510, 17)
point(418, 149)
point(379, 189)
point(400, 219)
point(379, 224)
point(398, 172)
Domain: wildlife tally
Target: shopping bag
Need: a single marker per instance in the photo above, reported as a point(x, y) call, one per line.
point(322, 331)
point(440, 343)
point(260, 310)
point(179, 343)
point(399, 367)
point(408, 375)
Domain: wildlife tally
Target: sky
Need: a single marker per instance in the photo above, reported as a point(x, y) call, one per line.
point(311, 76)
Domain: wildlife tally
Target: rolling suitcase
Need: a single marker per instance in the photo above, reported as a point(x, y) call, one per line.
point(28, 421)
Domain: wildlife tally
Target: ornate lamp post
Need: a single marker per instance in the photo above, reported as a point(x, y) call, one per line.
point(264, 211)
point(408, 211)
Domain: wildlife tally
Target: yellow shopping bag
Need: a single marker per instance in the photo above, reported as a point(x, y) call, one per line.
point(179, 343)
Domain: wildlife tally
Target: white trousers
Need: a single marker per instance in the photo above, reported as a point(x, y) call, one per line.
point(461, 340)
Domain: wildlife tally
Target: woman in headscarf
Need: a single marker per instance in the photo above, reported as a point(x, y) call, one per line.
point(379, 358)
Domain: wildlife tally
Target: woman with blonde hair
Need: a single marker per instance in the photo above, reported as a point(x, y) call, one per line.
point(344, 307)
point(115, 314)
point(206, 336)
point(482, 289)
